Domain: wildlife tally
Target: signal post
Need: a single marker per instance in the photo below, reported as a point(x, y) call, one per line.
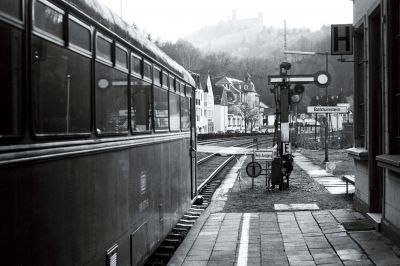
point(282, 165)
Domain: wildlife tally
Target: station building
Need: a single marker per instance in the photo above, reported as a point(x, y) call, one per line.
point(376, 150)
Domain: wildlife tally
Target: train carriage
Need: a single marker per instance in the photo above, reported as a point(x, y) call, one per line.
point(96, 137)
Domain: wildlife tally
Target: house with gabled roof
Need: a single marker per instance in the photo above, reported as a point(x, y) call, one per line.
point(238, 92)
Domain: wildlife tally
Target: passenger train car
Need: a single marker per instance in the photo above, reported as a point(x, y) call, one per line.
point(96, 137)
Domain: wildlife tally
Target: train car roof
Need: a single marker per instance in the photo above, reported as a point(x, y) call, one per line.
point(116, 24)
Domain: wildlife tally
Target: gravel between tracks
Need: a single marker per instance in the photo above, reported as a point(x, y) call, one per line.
point(303, 189)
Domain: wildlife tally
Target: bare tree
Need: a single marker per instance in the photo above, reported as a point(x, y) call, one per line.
point(249, 115)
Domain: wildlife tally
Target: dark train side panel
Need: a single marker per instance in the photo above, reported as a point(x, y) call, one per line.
point(70, 211)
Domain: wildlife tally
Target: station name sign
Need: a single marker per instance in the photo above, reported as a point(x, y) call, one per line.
point(327, 109)
point(267, 155)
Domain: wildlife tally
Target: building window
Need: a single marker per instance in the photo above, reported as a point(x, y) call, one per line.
point(141, 105)
point(394, 99)
point(359, 89)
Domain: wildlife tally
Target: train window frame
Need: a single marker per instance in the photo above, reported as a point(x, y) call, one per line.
point(76, 47)
point(140, 59)
point(98, 131)
point(118, 66)
point(178, 97)
point(144, 64)
point(164, 76)
point(158, 81)
point(182, 97)
point(10, 19)
point(15, 112)
point(188, 91)
point(112, 52)
point(45, 34)
point(64, 135)
point(131, 88)
point(181, 88)
point(162, 129)
point(171, 83)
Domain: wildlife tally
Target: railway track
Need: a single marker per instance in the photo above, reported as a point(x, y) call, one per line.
point(209, 168)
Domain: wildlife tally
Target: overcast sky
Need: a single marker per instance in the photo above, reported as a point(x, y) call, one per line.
point(170, 20)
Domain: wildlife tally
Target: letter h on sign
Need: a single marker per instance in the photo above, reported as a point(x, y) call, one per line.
point(341, 39)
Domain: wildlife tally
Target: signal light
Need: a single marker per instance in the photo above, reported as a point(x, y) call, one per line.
point(299, 88)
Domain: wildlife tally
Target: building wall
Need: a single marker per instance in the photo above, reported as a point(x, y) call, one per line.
point(362, 185)
point(392, 198)
point(362, 7)
point(220, 118)
point(201, 113)
point(364, 176)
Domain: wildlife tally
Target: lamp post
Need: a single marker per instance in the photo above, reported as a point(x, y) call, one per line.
point(326, 92)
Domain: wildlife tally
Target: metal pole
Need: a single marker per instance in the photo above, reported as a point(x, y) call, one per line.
point(326, 115)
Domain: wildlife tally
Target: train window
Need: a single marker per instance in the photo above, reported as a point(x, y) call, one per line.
point(165, 79)
point(188, 91)
point(141, 105)
point(160, 109)
point(180, 88)
point(174, 111)
point(12, 8)
point(79, 35)
point(49, 19)
point(185, 116)
point(121, 57)
point(61, 90)
point(157, 75)
point(136, 65)
point(171, 83)
point(147, 70)
point(111, 100)
point(10, 80)
point(104, 48)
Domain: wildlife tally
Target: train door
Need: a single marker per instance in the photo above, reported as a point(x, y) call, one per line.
point(193, 143)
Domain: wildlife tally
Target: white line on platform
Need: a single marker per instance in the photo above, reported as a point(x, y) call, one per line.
point(244, 241)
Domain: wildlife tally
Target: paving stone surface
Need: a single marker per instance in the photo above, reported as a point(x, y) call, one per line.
point(312, 237)
point(284, 238)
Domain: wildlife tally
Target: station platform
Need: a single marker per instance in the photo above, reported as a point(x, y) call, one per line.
point(291, 237)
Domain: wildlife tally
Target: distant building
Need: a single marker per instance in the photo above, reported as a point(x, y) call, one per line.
point(248, 22)
point(232, 94)
point(204, 102)
point(220, 109)
point(209, 102)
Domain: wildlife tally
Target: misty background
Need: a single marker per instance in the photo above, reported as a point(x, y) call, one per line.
point(239, 46)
